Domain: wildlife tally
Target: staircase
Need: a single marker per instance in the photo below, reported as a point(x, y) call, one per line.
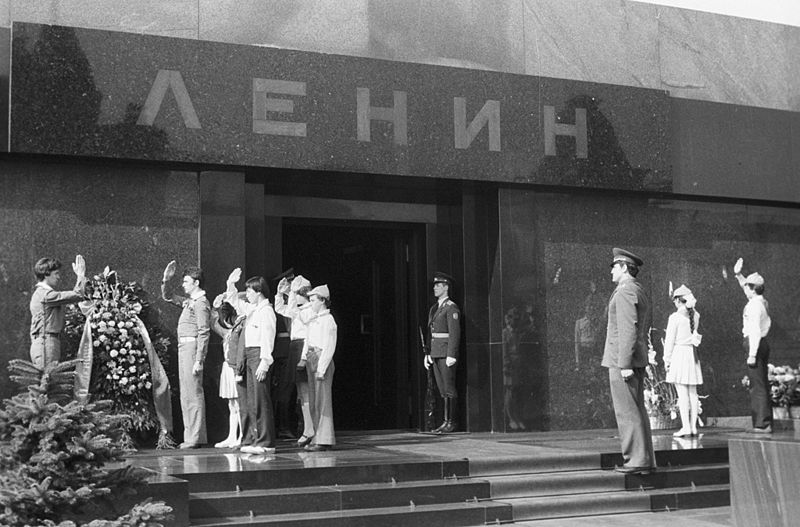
point(388, 494)
point(394, 484)
point(583, 485)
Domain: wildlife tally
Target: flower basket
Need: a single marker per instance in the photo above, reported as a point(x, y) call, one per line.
point(661, 422)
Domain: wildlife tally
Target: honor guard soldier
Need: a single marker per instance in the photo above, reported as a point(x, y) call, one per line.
point(444, 324)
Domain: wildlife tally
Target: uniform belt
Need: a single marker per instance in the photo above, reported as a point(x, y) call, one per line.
point(187, 339)
point(283, 334)
point(440, 335)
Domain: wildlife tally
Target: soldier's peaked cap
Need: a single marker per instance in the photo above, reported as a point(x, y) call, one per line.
point(621, 255)
point(289, 273)
point(442, 278)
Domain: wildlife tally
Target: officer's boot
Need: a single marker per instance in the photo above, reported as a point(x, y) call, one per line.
point(452, 422)
point(446, 416)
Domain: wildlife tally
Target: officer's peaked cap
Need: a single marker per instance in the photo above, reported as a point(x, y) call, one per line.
point(442, 278)
point(621, 255)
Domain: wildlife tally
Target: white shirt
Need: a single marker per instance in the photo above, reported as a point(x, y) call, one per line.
point(322, 334)
point(259, 329)
point(291, 310)
point(755, 322)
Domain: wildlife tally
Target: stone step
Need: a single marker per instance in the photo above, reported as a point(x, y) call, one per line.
point(553, 462)
point(276, 477)
point(445, 515)
point(335, 498)
point(618, 502)
point(665, 458)
point(583, 482)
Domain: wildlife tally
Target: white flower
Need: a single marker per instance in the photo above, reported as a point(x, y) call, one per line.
point(113, 353)
point(96, 343)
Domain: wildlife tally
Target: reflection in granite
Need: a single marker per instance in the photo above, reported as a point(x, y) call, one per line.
point(765, 478)
point(556, 249)
point(132, 220)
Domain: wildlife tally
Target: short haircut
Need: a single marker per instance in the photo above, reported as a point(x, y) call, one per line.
point(45, 266)
point(195, 273)
point(303, 291)
point(633, 269)
point(325, 300)
point(259, 285)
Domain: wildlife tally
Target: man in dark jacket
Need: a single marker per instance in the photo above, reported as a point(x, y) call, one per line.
point(444, 323)
point(625, 356)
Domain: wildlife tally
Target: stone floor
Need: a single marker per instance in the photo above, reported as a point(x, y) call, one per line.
point(372, 448)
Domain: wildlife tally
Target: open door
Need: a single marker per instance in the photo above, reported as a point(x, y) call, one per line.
point(365, 265)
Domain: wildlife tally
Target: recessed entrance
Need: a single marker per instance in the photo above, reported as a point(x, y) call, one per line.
point(368, 270)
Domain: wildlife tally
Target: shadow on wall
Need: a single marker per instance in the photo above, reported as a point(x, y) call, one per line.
point(53, 72)
point(606, 166)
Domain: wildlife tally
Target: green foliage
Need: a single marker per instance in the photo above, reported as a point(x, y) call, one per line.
point(54, 454)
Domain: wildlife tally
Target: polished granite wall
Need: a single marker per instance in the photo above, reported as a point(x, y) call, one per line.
point(119, 95)
point(555, 251)
point(694, 55)
point(764, 482)
point(133, 220)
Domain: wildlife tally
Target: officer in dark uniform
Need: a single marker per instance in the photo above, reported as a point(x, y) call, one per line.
point(444, 324)
point(625, 356)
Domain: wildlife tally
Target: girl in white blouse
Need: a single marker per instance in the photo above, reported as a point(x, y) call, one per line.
point(681, 360)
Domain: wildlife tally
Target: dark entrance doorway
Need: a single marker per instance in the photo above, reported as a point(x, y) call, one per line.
point(366, 267)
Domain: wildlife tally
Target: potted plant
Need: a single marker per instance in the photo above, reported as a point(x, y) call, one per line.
point(660, 397)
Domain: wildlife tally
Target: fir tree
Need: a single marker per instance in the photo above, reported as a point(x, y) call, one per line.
point(54, 454)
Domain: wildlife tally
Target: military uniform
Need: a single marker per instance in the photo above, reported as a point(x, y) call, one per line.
point(444, 325)
point(626, 348)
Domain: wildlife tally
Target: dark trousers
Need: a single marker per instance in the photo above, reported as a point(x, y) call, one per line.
point(633, 422)
point(445, 377)
point(760, 404)
point(259, 404)
point(244, 415)
point(283, 393)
